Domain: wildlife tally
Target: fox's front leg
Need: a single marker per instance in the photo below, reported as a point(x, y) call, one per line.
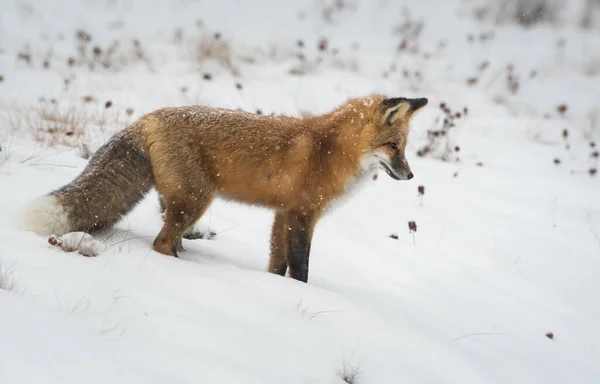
point(300, 228)
point(278, 257)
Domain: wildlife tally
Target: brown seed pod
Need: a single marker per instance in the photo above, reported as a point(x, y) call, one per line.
point(562, 108)
point(412, 226)
point(83, 36)
point(323, 44)
point(26, 57)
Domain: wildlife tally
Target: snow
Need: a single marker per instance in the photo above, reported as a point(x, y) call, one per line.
point(505, 252)
point(42, 346)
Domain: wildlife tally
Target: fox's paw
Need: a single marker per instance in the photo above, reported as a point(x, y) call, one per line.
point(164, 247)
point(194, 233)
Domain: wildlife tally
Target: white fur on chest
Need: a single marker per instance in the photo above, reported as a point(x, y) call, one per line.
point(368, 167)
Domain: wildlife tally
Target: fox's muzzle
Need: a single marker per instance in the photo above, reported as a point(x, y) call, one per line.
point(416, 104)
point(397, 169)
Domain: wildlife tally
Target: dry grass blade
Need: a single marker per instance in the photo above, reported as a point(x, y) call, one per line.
point(216, 49)
point(54, 126)
point(7, 280)
point(522, 12)
point(350, 374)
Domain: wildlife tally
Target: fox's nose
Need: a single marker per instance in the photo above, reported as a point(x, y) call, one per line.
point(410, 176)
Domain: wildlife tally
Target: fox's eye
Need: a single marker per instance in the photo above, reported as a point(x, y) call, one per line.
point(394, 145)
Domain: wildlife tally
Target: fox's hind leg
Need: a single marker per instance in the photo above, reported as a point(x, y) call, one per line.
point(182, 211)
point(185, 198)
point(163, 208)
point(161, 204)
point(191, 233)
point(278, 257)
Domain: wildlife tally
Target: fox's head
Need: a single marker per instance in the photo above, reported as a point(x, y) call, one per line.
point(389, 134)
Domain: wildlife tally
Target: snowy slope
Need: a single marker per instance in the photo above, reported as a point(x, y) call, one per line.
point(41, 346)
point(508, 242)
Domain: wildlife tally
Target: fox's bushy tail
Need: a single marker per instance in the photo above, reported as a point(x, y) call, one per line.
point(117, 177)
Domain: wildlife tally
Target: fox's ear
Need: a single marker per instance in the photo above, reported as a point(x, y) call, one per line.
point(393, 109)
point(416, 104)
point(397, 107)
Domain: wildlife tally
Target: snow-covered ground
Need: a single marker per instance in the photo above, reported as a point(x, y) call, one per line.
point(499, 284)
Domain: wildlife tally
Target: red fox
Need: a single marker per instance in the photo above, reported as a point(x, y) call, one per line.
point(297, 167)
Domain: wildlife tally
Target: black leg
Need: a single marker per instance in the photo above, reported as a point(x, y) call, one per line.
point(299, 238)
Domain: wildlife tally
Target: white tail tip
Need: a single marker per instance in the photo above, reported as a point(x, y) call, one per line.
point(45, 216)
